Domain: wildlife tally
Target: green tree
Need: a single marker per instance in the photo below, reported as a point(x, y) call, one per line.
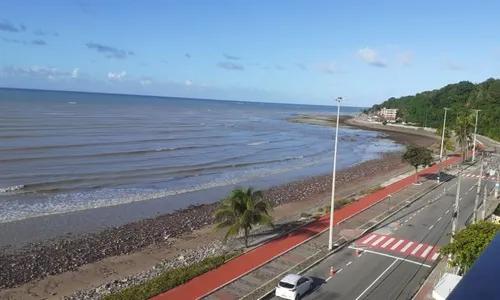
point(463, 128)
point(241, 210)
point(417, 156)
point(426, 108)
point(448, 144)
point(469, 243)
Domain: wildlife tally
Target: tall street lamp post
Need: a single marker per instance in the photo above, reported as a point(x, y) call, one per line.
point(332, 205)
point(455, 209)
point(475, 133)
point(442, 145)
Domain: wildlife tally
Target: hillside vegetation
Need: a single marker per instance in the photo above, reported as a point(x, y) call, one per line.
point(426, 108)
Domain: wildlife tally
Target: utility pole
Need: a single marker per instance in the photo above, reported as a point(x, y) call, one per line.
point(442, 144)
point(455, 208)
point(484, 202)
point(332, 208)
point(497, 184)
point(478, 191)
point(475, 133)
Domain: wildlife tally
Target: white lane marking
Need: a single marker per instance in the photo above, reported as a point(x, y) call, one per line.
point(398, 258)
point(397, 244)
point(377, 279)
point(378, 241)
point(407, 246)
point(348, 263)
point(339, 270)
point(360, 254)
point(447, 211)
point(426, 251)
point(406, 220)
point(328, 278)
point(416, 249)
point(430, 228)
point(369, 239)
point(439, 219)
point(388, 242)
point(410, 217)
point(435, 256)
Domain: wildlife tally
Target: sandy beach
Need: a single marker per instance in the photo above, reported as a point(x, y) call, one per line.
point(57, 268)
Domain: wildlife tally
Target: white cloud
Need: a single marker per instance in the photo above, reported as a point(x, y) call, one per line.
point(371, 57)
point(117, 76)
point(404, 58)
point(37, 71)
point(451, 66)
point(74, 74)
point(146, 82)
point(329, 68)
point(188, 82)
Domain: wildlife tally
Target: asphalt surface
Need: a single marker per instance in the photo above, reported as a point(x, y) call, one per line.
point(396, 265)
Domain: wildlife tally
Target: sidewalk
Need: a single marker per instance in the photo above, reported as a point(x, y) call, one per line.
point(214, 280)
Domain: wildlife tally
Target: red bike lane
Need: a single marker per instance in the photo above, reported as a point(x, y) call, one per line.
point(212, 280)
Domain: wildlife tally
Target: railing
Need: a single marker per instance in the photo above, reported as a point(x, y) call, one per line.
point(481, 281)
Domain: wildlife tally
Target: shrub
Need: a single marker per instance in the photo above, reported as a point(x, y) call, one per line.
point(316, 216)
point(171, 278)
point(342, 202)
point(370, 190)
point(305, 215)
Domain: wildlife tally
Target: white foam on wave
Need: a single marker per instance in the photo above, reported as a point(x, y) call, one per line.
point(11, 189)
point(72, 202)
point(257, 143)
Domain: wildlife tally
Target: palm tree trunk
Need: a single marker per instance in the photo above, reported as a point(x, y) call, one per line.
point(246, 237)
point(416, 174)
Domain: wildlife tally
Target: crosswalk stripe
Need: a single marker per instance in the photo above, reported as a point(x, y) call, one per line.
point(416, 249)
point(426, 251)
point(397, 244)
point(378, 241)
point(407, 246)
point(435, 256)
point(388, 242)
point(369, 238)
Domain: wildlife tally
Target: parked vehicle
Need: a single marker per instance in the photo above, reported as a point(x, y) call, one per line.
point(294, 286)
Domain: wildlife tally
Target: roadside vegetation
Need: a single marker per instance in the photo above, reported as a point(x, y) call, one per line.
point(469, 243)
point(426, 108)
point(417, 156)
point(171, 278)
point(241, 211)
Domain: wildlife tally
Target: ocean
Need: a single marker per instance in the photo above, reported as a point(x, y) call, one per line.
point(63, 152)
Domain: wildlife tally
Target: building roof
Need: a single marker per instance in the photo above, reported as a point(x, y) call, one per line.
point(445, 285)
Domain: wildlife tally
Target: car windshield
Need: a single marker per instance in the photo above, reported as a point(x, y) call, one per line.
point(286, 285)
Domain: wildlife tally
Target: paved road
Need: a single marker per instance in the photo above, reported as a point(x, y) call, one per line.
point(396, 259)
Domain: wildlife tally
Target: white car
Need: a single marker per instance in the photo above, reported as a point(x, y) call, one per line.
point(293, 286)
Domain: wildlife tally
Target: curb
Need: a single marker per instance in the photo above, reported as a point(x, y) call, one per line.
point(340, 247)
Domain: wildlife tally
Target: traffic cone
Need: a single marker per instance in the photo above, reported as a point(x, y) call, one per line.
point(356, 252)
point(398, 223)
point(332, 271)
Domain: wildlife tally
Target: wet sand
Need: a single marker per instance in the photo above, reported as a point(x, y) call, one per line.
point(37, 260)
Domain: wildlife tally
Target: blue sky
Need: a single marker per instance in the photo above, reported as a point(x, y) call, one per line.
point(260, 50)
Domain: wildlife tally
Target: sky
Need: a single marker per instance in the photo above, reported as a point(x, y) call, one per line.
point(288, 51)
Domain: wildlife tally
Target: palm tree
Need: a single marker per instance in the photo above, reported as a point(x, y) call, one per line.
point(242, 209)
point(463, 128)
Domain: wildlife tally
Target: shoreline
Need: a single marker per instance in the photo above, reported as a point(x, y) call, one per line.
point(35, 261)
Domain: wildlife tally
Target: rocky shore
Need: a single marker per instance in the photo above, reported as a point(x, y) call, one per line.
point(38, 260)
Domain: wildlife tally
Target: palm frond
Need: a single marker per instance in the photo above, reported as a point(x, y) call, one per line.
point(265, 220)
point(223, 214)
point(233, 230)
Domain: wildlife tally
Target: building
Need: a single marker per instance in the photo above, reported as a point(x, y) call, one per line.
point(389, 113)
